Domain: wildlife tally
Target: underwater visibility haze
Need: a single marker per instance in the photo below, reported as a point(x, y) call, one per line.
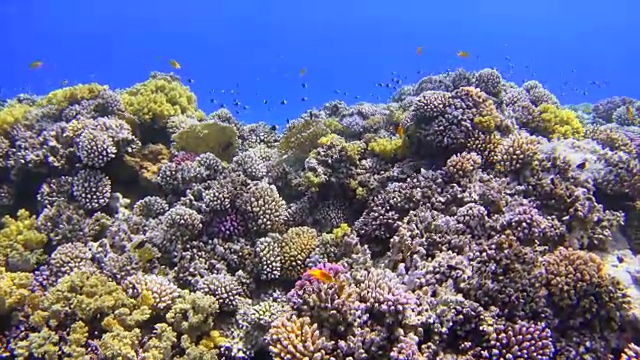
point(336, 180)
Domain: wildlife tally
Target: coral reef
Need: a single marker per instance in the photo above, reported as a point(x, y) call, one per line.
point(468, 218)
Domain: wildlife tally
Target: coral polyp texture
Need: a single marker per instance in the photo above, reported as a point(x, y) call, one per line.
point(499, 224)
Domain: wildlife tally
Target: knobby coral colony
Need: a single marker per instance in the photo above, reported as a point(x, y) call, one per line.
point(136, 227)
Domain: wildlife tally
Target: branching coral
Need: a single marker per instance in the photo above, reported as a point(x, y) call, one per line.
point(158, 234)
point(158, 99)
point(21, 245)
point(559, 123)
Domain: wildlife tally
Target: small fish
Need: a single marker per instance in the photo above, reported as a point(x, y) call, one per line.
point(357, 97)
point(582, 165)
point(274, 127)
point(304, 86)
point(321, 275)
point(463, 54)
point(394, 73)
point(174, 64)
point(139, 245)
point(629, 112)
point(36, 64)
point(419, 50)
point(245, 107)
point(400, 131)
point(305, 98)
point(65, 82)
point(190, 81)
point(283, 102)
point(265, 102)
point(346, 93)
point(223, 106)
point(237, 111)
point(303, 71)
point(214, 101)
point(337, 91)
point(379, 84)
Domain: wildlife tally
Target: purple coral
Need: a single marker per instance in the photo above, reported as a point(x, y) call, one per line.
point(306, 280)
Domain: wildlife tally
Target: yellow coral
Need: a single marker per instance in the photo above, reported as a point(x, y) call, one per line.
point(485, 123)
point(296, 246)
point(64, 97)
point(193, 314)
point(14, 290)
point(341, 231)
point(84, 298)
point(20, 243)
point(13, 113)
point(158, 99)
point(300, 137)
point(560, 123)
point(148, 159)
point(213, 137)
point(333, 125)
point(387, 148)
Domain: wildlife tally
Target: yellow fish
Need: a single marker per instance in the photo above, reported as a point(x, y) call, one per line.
point(174, 63)
point(321, 275)
point(303, 71)
point(36, 64)
point(419, 50)
point(463, 54)
point(629, 112)
point(400, 130)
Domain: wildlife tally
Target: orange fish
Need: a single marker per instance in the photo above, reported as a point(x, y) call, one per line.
point(400, 130)
point(36, 64)
point(419, 50)
point(463, 54)
point(629, 113)
point(303, 71)
point(321, 275)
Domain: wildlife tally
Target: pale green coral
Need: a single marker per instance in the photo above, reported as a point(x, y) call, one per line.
point(85, 298)
point(211, 136)
point(193, 314)
point(333, 125)
point(21, 245)
point(300, 137)
point(560, 123)
point(158, 99)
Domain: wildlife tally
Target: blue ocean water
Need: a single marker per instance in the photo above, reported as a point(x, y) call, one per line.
point(581, 50)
